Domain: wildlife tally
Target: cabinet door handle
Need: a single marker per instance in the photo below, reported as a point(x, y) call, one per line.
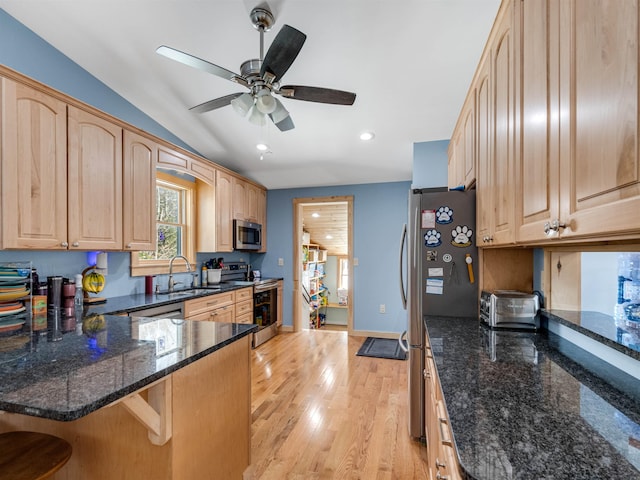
point(552, 228)
point(128, 246)
point(444, 439)
point(75, 244)
point(439, 464)
point(64, 244)
point(441, 477)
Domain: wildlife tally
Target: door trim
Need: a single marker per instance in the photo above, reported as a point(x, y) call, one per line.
point(298, 324)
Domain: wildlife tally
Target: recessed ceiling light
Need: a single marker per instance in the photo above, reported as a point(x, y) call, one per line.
point(263, 147)
point(315, 214)
point(367, 136)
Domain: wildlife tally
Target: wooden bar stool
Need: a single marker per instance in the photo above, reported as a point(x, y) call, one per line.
point(31, 455)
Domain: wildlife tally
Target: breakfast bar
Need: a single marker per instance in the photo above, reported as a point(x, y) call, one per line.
point(136, 397)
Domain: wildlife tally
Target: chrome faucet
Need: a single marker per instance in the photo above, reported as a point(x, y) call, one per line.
point(171, 282)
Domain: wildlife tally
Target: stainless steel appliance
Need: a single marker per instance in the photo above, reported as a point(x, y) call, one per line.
point(265, 310)
point(440, 258)
point(247, 235)
point(265, 298)
point(509, 309)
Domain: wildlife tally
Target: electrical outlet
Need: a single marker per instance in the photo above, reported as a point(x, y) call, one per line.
point(383, 308)
point(355, 262)
point(281, 262)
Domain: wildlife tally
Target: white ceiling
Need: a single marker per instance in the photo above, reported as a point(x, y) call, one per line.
point(410, 62)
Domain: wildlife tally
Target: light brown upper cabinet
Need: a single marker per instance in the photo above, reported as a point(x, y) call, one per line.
point(214, 213)
point(94, 182)
point(484, 210)
point(599, 157)
point(33, 152)
point(77, 178)
point(502, 161)
point(246, 201)
point(64, 176)
point(172, 159)
point(139, 192)
point(462, 149)
point(262, 216)
point(495, 173)
point(250, 204)
point(223, 218)
point(538, 203)
point(563, 159)
point(580, 164)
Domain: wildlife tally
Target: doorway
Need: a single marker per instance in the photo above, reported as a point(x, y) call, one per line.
point(334, 219)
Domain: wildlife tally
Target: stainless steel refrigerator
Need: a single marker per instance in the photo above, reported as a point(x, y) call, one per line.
point(438, 268)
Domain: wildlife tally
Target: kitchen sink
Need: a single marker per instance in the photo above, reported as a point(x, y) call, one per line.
point(187, 292)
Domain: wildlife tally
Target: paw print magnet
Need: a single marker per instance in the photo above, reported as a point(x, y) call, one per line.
point(432, 238)
point(444, 215)
point(461, 236)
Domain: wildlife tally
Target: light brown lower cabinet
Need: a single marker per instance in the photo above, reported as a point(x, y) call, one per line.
point(441, 453)
point(231, 307)
point(244, 305)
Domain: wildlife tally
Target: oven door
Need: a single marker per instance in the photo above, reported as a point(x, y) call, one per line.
point(265, 311)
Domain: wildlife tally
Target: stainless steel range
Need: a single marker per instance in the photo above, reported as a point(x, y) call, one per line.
point(265, 299)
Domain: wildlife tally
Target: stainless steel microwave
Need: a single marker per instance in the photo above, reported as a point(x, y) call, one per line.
point(247, 235)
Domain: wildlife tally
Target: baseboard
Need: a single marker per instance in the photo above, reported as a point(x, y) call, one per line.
point(354, 333)
point(364, 333)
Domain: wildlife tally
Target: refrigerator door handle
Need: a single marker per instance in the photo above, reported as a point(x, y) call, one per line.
point(403, 292)
point(404, 345)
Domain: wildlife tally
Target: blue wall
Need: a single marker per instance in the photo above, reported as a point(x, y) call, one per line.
point(430, 164)
point(379, 212)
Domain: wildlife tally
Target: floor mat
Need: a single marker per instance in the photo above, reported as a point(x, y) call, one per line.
point(382, 348)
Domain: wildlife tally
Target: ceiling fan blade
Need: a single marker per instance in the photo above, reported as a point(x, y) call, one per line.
point(318, 94)
point(215, 103)
point(285, 124)
point(198, 63)
point(283, 51)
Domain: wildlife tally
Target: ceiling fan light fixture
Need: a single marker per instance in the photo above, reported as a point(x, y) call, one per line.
point(279, 113)
point(257, 117)
point(262, 147)
point(265, 102)
point(242, 104)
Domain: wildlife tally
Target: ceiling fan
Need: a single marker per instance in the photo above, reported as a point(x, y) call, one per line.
point(262, 77)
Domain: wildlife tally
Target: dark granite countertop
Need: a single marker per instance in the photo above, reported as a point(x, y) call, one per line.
point(74, 367)
point(527, 406)
point(133, 302)
point(619, 334)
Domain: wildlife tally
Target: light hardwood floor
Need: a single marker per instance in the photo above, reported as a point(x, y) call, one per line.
point(321, 412)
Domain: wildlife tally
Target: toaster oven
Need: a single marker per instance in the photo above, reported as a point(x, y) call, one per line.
point(510, 309)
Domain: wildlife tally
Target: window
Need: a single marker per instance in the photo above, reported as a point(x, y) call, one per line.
point(343, 273)
point(174, 204)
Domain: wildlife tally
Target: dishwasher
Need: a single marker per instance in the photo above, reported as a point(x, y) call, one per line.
point(166, 332)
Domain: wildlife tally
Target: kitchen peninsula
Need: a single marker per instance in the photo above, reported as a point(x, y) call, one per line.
point(136, 397)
